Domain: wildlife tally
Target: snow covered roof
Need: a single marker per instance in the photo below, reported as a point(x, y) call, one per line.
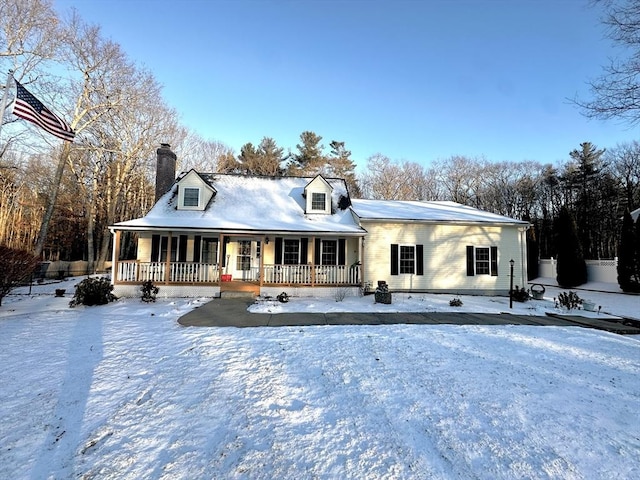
point(245, 203)
point(432, 212)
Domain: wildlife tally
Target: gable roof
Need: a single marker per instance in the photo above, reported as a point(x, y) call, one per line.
point(251, 204)
point(427, 212)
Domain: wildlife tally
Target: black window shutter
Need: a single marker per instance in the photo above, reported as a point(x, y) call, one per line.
point(394, 259)
point(470, 262)
point(342, 251)
point(419, 260)
point(224, 253)
point(164, 245)
point(494, 261)
point(304, 247)
point(196, 248)
point(316, 252)
point(182, 249)
point(155, 247)
point(278, 259)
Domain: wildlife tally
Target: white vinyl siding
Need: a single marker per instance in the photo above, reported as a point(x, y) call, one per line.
point(444, 255)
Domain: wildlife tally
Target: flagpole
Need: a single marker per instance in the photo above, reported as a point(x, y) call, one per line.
point(5, 96)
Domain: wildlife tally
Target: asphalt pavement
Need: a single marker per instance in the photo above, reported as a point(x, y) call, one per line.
point(232, 312)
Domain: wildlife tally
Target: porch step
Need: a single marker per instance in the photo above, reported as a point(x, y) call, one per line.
point(237, 294)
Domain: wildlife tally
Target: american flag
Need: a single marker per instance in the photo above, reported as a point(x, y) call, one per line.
point(30, 108)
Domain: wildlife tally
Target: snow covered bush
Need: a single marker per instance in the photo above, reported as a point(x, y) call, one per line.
point(93, 291)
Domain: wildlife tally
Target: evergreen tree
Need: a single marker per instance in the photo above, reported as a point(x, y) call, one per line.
point(309, 160)
point(343, 167)
point(270, 158)
point(571, 267)
point(248, 158)
point(628, 278)
point(583, 180)
point(532, 251)
point(228, 163)
point(636, 245)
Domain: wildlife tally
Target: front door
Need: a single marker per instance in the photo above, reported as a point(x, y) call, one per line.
point(244, 260)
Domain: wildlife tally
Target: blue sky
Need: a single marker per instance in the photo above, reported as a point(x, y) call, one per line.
point(412, 80)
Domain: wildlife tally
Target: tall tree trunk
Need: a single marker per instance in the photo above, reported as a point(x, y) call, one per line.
point(53, 196)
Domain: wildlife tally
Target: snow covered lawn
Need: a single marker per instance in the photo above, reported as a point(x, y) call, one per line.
point(122, 391)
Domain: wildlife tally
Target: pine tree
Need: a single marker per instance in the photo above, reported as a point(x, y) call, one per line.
point(270, 158)
point(571, 267)
point(627, 255)
point(583, 180)
point(636, 245)
point(309, 160)
point(533, 251)
point(343, 167)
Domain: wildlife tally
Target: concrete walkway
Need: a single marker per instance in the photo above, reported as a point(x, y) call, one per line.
point(232, 312)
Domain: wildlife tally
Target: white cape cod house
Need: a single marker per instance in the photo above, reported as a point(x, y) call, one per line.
point(217, 234)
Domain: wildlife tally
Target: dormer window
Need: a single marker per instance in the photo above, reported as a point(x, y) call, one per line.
point(317, 194)
point(319, 201)
point(191, 197)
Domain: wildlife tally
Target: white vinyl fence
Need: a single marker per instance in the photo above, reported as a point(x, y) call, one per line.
point(597, 270)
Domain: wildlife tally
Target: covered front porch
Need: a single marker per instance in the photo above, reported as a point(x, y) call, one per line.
point(240, 262)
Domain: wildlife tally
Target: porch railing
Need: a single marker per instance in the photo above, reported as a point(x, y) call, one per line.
point(191, 272)
point(312, 274)
point(179, 272)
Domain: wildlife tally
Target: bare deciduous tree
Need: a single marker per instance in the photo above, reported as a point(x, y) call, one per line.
point(615, 92)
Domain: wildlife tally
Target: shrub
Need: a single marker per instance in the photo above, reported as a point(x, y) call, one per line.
point(569, 300)
point(149, 291)
point(628, 255)
point(93, 291)
point(456, 302)
point(520, 294)
point(339, 294)
point(15, 266)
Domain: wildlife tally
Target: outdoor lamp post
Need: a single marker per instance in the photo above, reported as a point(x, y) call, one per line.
point(511, 262)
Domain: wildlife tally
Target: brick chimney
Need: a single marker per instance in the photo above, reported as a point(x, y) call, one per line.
point(165, 169)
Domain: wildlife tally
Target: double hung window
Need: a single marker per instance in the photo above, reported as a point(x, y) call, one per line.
point(407, 259)
point(482, 261)
point(191, 197)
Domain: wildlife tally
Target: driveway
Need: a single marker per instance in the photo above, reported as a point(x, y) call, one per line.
point(232, 312)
